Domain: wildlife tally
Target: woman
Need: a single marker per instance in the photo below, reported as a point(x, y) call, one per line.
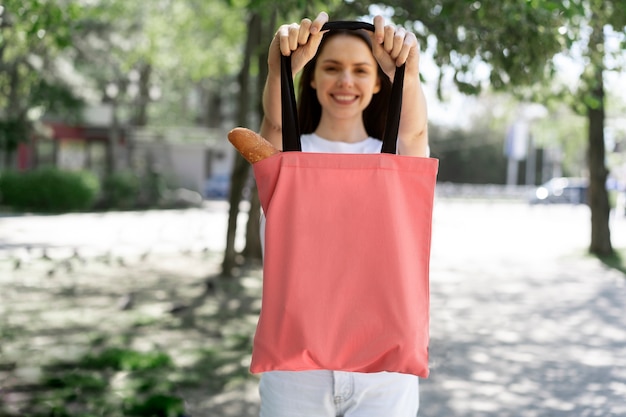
point(344, 89)
point(391, 47)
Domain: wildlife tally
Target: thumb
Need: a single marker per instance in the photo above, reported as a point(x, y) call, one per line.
point(314, 43)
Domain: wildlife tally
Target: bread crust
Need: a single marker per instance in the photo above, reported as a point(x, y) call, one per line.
point(252, 146)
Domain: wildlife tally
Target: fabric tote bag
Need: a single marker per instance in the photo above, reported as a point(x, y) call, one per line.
point(347, 249)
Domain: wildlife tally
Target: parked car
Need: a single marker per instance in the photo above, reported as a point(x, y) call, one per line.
point(561, 190)
point(217, 186)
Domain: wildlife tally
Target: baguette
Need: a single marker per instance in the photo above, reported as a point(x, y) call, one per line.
point(252, 146)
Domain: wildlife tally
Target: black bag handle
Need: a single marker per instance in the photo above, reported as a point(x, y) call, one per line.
point(290, 124)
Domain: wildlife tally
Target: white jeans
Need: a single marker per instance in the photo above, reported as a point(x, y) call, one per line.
point(335, 393)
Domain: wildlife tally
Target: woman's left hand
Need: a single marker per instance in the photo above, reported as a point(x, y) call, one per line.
point(394, 46)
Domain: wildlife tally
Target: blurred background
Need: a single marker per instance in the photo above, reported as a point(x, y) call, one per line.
point(121, 107)
point(127, 103)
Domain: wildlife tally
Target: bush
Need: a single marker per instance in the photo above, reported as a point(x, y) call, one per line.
point(121, 190)
point(49, 190)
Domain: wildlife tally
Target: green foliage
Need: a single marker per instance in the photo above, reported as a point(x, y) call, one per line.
point(119, 381)
point(33, 33)
point(471, 157)
point(121, 359)
point(616, 260)
point(121, 190)
point(517, 39)
point(168, 48)
point(157, 405)
point(123, 371)
point(563, 131)
point(32, 19)
point(56, 97)
point(12, 132)
point(49, 190)
point(79, 382)
point(89, 387)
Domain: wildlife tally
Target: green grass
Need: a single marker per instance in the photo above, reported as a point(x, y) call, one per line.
point(115, 381)
point(119, 381)
point(616, 261)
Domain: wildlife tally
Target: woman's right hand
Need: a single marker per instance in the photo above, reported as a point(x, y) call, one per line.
point(298, 40)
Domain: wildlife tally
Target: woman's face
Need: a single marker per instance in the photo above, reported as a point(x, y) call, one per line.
point(345, 77)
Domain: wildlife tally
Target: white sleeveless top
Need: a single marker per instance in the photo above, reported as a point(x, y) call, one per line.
point(313, 143)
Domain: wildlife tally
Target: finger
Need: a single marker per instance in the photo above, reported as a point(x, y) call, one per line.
point(403, 55)
point(304, 32)
point(319, 21)
point(410, 45)
point(294, 31)
point(283, 40)
point(389, 35)
point(315, 39)
point(398, 42)
point(379, 29)
point(313, 45)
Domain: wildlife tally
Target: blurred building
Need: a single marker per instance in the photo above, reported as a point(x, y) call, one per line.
point(187, 157)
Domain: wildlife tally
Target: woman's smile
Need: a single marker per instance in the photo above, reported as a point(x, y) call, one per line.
point(344, 98)
point(345, 79)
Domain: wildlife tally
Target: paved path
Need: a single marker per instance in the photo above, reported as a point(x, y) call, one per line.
point(523, 322)
point(118, 233)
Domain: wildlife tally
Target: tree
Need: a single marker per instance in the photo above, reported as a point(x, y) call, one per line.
point(471, 155)
point(602, 16)
point(241, 167)
point(518, 40)
point(261, 18)
point(514, 44)
point(33, 33)
point(153, 56)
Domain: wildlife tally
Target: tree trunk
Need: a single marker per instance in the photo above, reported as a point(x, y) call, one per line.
point(143, 100)
point(598, 195)
point(214, 114)
point(241, 167)
point(15, 124)
point(253, 249)
point(113, 140)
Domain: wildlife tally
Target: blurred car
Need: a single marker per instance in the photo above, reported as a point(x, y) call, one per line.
point(217, 186)
point(562, 190)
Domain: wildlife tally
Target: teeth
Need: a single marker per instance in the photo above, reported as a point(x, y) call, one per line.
point(344, 98)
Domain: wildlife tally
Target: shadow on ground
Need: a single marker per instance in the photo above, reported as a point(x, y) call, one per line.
point(163, 336)
point(523, 324)
point(616, 261)
point(547, 340)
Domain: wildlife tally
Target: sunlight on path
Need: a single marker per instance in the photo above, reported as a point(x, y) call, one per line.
point(523, 322)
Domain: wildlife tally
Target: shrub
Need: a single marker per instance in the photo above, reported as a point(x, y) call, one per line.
point(121, 190)
point(49, 190)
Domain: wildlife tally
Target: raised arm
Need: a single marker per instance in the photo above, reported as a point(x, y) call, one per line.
point(301, 42)
point(394, 46)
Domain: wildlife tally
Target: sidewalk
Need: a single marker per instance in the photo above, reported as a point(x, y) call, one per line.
point(523, 323)
point(118, 233)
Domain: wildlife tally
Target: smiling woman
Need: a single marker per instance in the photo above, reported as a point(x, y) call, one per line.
point(356, 73)
point(343, 77)
point(339, 90)
point(324, 363)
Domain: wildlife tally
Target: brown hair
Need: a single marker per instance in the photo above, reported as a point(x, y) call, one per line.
point(310, 110)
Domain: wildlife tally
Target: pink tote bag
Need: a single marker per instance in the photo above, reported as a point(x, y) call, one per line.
point(347, 250)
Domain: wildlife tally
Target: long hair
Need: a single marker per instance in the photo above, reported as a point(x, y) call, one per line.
point(310, 110)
